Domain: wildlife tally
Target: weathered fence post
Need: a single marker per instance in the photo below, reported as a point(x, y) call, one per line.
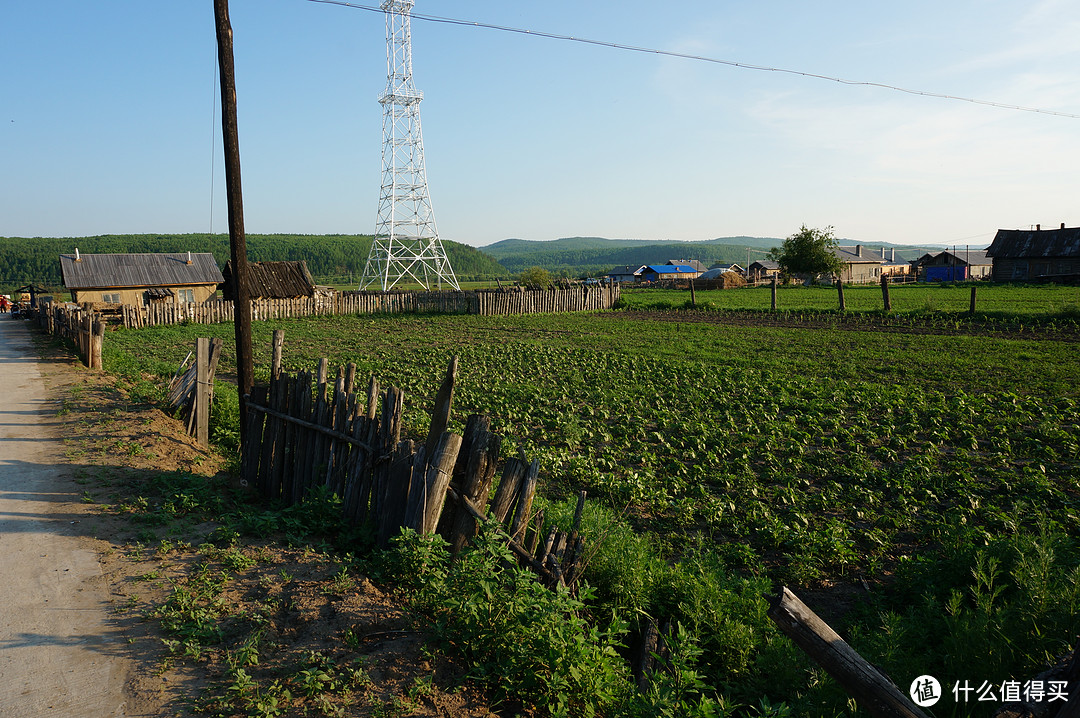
point(97, 340)
point(840, 293)
point(971, 309)
point(202, 391)
point(440, 415)
point(277, 346)
point(885, 292)
point(693, 297)
point(773, 304)
point(866, 684)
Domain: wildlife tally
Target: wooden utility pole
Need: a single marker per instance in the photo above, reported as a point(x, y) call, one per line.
point(237, 241)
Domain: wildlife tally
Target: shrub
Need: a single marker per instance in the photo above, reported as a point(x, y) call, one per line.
point(527, 643)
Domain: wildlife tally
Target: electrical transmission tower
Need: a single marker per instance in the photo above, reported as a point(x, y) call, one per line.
point(406, 244)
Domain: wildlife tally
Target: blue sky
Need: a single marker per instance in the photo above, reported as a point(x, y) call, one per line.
point(108, 118)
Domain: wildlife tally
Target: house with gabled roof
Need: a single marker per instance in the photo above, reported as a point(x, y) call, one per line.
point(626, 273)
point(662, 272)
point(861, 264)
point(698, 266)
point(761, 269)
point(1038, 254)
point(955, 265)
point(140, 279)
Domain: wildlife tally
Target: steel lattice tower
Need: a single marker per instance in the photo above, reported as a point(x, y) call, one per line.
point(406, 243)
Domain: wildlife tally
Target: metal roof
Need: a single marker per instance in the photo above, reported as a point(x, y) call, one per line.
point(972, 257)
point(695, 264)
point(1064, 242)
point(96, 271)
point(273, 280)
point(671, 268)
point(868, 256)
point(716, 272)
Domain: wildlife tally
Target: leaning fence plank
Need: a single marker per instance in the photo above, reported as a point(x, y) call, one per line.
point(395, 482)
point(525, 499)
point(475, 483)
point(506, 493)
point(440, 415)
point(201, 409)
point(277, 478)
point(304, 436)
point(440, 469)
point(873, 691)
point(250, 450)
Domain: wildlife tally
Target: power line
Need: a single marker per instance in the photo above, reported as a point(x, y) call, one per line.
point(702, 58)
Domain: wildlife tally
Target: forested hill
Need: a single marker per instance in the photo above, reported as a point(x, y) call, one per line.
point(25, 260)
point(590, 255)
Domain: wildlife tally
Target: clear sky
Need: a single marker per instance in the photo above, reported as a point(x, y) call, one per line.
point(109, 121)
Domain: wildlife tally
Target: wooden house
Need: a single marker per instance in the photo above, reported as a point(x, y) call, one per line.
point(625, 274)
point(272, 280)
point(139, 279)
point(1038, 254)
point(763, 269)
point(662, 272)
point(692, 263)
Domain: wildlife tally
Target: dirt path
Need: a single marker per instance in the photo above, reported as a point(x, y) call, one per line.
point(59, 655)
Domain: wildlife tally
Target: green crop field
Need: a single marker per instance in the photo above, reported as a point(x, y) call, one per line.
point(1007, 300)
point(918, 488)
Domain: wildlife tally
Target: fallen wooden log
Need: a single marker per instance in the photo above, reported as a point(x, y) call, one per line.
point(872, 689)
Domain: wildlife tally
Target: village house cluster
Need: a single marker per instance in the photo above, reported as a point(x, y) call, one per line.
point(1035, 255)
point(1040, 255)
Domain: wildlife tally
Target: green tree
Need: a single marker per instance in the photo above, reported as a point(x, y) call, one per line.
point(808, 253)
point(535, 277)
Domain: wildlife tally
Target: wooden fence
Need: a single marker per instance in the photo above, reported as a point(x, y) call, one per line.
point(512, 300)
point(83, 329)
point(307, 430)
point(193, 391)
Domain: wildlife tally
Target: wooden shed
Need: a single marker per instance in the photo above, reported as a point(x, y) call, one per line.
point(273, 280)
point(138, 279)
point(1038, 254)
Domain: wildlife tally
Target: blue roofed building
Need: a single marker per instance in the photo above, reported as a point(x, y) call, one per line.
point(662, 272)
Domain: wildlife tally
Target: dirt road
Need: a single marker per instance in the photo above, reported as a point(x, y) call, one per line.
point(59, 655)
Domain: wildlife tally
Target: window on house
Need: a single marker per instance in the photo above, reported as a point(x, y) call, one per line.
point(112, 298)
point(185, 295)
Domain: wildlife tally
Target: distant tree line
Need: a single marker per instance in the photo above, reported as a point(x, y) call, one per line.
point(602, 260)
point(35, 260)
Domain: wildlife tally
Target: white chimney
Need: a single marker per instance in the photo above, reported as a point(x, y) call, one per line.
point(77, 257)
point(189, 257)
